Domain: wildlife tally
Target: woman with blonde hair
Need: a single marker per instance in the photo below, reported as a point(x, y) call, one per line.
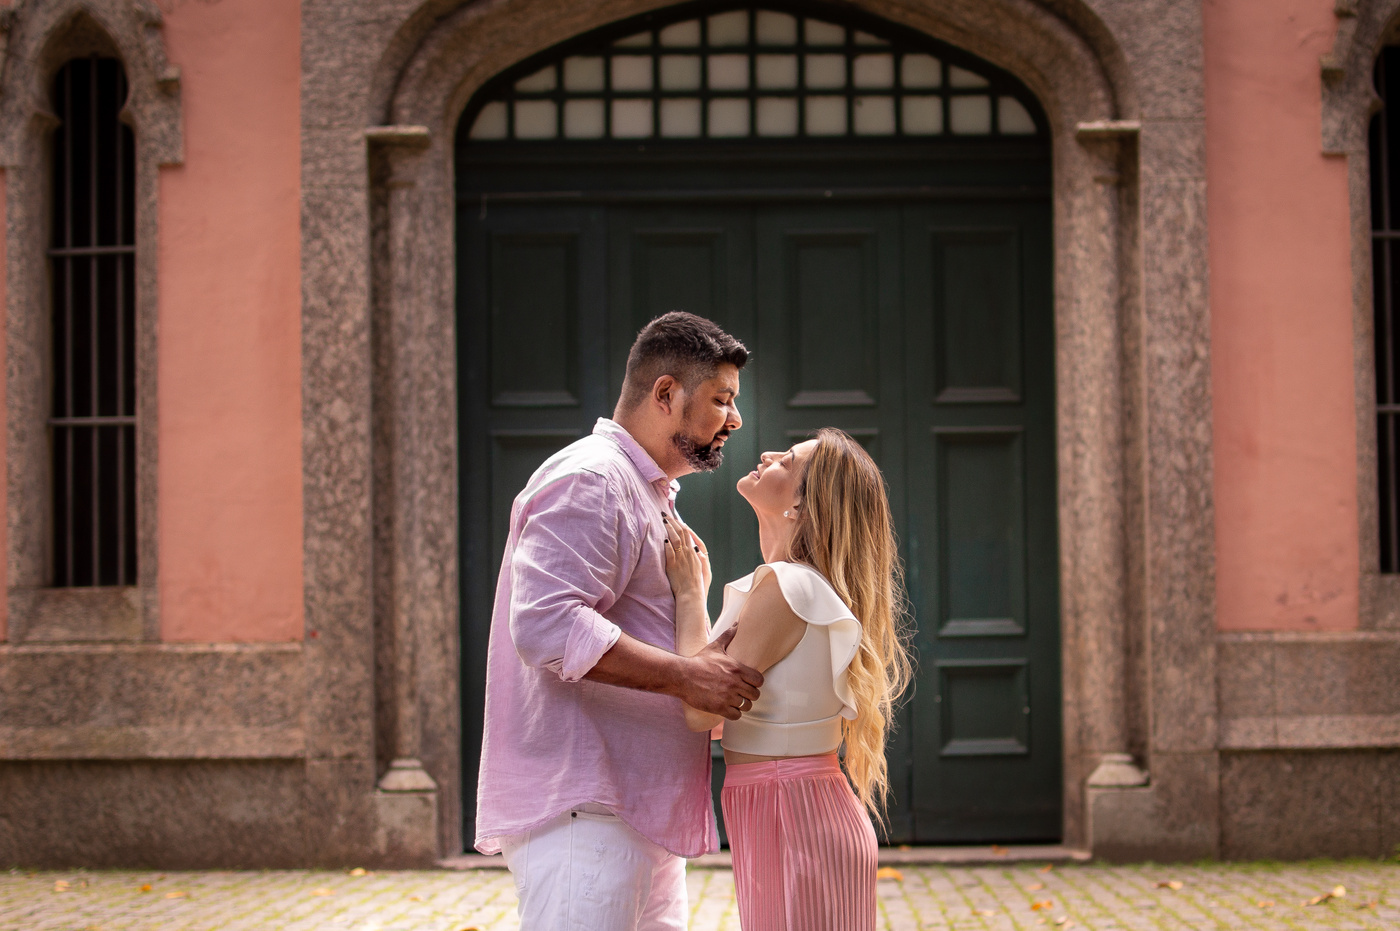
point(822, 619)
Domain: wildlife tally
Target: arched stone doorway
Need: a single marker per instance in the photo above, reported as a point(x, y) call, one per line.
point(1130, 543)
point(869, 209)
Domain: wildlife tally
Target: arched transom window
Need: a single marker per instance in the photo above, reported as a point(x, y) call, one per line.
point(750, 73)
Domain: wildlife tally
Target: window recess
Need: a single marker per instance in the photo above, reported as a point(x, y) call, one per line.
point(92, 267)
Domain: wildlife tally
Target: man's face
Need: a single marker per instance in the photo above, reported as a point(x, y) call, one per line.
point(708, 416)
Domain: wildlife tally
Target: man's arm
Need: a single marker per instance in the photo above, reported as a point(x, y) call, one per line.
point(565, 568)
point(561, 574)
point(709, 681)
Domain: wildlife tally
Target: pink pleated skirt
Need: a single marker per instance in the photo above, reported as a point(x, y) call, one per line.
point(804, 850)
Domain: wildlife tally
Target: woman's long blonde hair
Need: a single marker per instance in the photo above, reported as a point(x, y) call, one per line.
point(845, 531)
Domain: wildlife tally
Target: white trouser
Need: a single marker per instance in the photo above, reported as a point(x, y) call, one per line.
point(586, 870)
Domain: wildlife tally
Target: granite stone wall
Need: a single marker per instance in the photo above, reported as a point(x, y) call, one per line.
point(344, 749)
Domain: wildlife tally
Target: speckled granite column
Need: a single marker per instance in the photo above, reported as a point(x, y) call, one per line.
point(1095, 518)
point(336, 406)
point(404, 338)
point(1177, 816)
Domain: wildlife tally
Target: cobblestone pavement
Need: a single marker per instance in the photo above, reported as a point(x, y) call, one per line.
point(1124, 898)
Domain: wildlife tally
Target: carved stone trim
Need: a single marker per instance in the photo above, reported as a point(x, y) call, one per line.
point(411, 136)
point(36, 38)
point(1311, 732)
point(1107, 129)
point(72, 615)
point(152, 743)
point(1118, 771)
point(123, 701)
point(1349, 100)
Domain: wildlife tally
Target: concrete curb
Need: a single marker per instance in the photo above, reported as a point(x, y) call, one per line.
point(889, 856)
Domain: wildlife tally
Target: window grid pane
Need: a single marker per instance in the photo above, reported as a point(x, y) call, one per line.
point(92, 260)
point(752, 73)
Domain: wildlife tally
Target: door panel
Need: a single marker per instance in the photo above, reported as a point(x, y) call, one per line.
point(831, 304)
point(701, 261)
point(830, 353)
point(534, 319)
point(530, 355)
point(981, 544)
point(977, 315)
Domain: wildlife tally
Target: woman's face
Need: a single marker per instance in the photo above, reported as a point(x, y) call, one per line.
point(772, 487)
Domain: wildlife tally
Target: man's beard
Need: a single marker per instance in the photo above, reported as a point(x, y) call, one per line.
point(702, 457)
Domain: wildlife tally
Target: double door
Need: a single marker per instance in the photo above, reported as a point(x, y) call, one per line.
point(922, 329)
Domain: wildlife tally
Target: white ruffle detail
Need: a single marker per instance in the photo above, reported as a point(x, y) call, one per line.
point(811, 598)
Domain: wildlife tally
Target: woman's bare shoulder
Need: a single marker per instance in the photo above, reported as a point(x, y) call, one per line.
point(768, 626)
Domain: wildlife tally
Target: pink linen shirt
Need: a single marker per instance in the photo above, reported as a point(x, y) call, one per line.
point(583, 562)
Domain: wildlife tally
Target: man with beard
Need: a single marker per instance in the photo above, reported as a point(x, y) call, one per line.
point(595, 792)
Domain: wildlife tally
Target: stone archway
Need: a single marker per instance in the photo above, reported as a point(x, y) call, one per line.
point(1133, 407)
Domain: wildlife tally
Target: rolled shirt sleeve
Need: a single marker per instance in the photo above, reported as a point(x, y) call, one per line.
point(572, 558)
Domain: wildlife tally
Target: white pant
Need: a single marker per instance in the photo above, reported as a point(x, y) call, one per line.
point(586, 870)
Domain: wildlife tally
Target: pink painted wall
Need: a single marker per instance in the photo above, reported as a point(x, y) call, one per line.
point(1281, 324)
point(230, 328)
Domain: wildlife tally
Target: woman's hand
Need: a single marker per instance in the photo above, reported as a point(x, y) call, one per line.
point(687, 561)
point(702, 550)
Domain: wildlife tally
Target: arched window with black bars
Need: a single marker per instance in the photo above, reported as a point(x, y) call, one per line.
point(92, 264)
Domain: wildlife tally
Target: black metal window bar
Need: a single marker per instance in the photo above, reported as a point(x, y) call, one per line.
point(750, 73)
point(92, 262)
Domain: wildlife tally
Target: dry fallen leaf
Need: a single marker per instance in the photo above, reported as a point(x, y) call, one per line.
point(359, 871)
point(1366, 905)
point(999, 850)
point(414, 898)
point(985, 912)
point(1035, 887)
point(146, 887)
point(1265, 903)
point(323, 892)
point(60, 885)
point(1172, 884)
point(1047, 867)
point(1336, 893)
point(905, 847)
point(889, 872)
point(1037, 906)
point(175, 895)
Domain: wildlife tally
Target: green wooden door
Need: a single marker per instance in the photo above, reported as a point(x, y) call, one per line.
point(979, 523)
point(924, 330)
point(868, 209)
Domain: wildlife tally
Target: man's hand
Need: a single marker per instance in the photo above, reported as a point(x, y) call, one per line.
point(716, 683)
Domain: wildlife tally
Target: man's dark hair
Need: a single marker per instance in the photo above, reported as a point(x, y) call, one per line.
point(684, 346)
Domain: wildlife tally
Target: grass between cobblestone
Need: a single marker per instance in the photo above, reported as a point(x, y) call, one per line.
point(1095, 897)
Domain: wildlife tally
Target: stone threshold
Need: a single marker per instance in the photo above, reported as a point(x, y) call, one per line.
point(889, 856)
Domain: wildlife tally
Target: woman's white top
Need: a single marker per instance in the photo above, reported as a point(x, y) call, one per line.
point(805, 694)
